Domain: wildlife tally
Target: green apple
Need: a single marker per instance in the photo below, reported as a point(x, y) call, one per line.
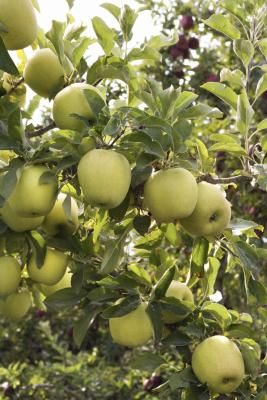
point(17, 305)
point(10, 275)
point(43, 73)
point(72, 100)
point(64, 283)
point(133, 329)
point(180, 291)
point(35, 192)
point(52, 270)
point(212, 213)
point(218, 362)
point(19, 19)
point(17, 223)
point(105, 177)
point(170, 194)
point(57, 221)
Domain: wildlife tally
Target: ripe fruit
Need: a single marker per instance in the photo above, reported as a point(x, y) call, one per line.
point(18, 17)
point(57, 221)
point(187, 22)
point(212, 213)
point(17, 223)
point(44, 73)
point(72, 100)
point(52, 270)
point(17, 305)
point(64, 283)
point(35, 192)
point(105, 177)
point(193, 43)
point(133, 329)
point(170, 194)
point(180, 291)
point(10, 275)
point(218, 362)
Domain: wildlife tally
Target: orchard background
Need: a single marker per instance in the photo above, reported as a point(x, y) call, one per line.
point(193, 97)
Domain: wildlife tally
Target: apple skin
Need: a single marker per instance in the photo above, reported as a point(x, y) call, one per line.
point(17, 223)
point(57, 222)
point(18, 16)
point(212, 213)
point(52, 270)
point(170, 194)
point(17, 305)
point(133, 329)
point(180, 291)
point(32, 198)
point(43, 73)
point(105, 177)
point(64, 283)
point(218, 362)
point(71, 100)
point(10, 275)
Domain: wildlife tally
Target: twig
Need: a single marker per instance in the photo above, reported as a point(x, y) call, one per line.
point(40, 131)
point(236, 178)
point(117, 137)
point(14, 87)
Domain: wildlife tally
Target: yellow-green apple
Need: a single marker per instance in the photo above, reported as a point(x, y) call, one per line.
point(43, 73)
point(218, 362)
point(170, 194)
point(57, 221)
point(180, 291)
point(72, 100)
point(17, 223)
point(52, 270)
point(133, 329)
point(19, 20)
point(212, 213)
point(64, 283)
point(105, 177)
point(17, 305)
point(10, 275)
point(35, 192)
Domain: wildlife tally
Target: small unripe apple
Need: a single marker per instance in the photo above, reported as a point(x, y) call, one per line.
point(105, 177)
point(10, 275)
point(133, 329)
point(72, 100)
point(17, 305)
point(180, 291)
point(43, 73)
point(17, 223)
point(35, 192)
point(19, 19)
point(187, 22)
point(52, 270)
point(193, 43)
point(218, 362)
point(212, 213)
point(170, 194)
point(57, 221)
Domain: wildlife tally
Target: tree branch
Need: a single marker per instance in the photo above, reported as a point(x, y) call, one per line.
point(40, 131)
point(117, 137)
point(212, 179)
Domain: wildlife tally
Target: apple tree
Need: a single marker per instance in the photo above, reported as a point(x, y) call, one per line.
point(117, 210)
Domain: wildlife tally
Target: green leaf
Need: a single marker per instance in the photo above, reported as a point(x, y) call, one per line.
point(127, 21)
point(102, 69)
point(162, 285)
point(211, 272)
point(202, 111)
point(223, 92)
point(141, 224)
point(182, 379)
point(240, 226)
point(244, 113)
point(7, 185)
point(70, 3)
point(38, 247)
point(222, 24)
point(114, 10)
point(119, 212)
point(147, 362)
point(101, 219)
point(105, 35)
point(235, 78)
point(95, 101)
point(258, 290)
point(199, 255)
point(261, 86)
point(251, 354)
point(219, 312)
point(177, 339)
point(121, 308)
point(80, 49)
point(236, 149)
point(160, 41)
point(84, 322)
point(263, 46)
point(244, 49)
point(64, 298)
point(55, 35)
point(183, 101)
point(262, 125)
point(146, 53)
point(247, 255)
point(6, 62)
point(154, 311)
